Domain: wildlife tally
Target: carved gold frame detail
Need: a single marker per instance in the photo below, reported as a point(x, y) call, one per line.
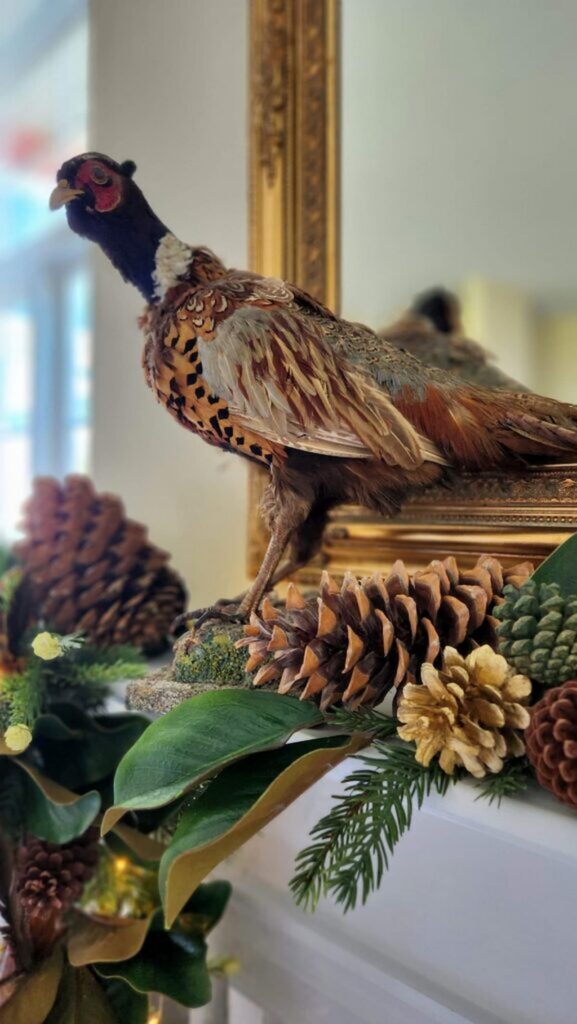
point(294, 234)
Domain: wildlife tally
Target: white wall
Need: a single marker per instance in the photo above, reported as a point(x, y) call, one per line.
point(169, 84)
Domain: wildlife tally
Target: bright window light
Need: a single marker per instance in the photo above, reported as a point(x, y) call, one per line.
point(45, 349)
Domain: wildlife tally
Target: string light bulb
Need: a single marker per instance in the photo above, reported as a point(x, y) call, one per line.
point(154, 1011)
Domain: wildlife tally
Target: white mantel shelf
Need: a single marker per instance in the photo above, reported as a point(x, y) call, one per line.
point(475, 922)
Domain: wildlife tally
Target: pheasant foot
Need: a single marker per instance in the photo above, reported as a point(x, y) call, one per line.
point(222, 611)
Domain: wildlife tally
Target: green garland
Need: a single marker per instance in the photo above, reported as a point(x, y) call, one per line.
point(83, 674)
point(352, 843)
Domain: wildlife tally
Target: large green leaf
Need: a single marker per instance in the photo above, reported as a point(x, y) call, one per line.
point(560, 567)
point(79, 750)
point(236, 805)
point(172, 963)
point(129, 1006)
point(207, 905)
point(200, 737)
point(52, 812)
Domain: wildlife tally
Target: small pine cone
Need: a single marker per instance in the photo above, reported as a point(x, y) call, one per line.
point(92, 570)
point(551, 741)
point(537, 631)
point(358, 641)
point(469, 712)
point(48, 879)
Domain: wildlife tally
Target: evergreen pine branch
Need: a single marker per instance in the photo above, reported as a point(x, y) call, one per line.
point(23, 696)
point(363, 720)
point(513, 779)
point(353, 842)
point(84, 674)
point(87, 672)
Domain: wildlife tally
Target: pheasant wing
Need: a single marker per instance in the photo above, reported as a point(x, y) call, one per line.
point(282, 380)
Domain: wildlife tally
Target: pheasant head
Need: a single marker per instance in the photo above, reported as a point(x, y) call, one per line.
point(104, 204)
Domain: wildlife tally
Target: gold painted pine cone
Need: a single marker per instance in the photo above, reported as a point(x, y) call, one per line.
point(551, 741)
point(469, 712)
point(89, 568)
point(356, 642)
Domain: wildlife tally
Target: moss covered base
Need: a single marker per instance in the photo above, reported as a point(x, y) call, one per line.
point(209, 655)
point(203, 660)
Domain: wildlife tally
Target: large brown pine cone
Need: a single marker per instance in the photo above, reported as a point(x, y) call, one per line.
point(356, 642)
point(551, 741)
point(48, 879)
point(92, 570)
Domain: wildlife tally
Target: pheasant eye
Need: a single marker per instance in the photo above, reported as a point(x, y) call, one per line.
point(99, 176)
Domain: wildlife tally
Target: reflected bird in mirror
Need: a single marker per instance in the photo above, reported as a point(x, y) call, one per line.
point(432, 331)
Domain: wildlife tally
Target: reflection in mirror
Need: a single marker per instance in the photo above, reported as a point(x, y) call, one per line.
point(459, 168)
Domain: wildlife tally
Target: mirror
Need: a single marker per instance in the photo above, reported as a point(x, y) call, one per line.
point(398, 145)
point(459, 168)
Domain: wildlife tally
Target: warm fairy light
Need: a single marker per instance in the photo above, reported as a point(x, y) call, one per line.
point(120, 865)
point(155, 1010)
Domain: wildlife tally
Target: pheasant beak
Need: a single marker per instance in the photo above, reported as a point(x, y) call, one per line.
point(63, 194)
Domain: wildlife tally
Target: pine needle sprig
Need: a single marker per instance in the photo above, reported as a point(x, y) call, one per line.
point(21, 699)
point(352, 844)
point(511, 781)
point(363, 719)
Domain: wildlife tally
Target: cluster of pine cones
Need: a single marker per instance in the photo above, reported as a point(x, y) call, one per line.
point(357, 642)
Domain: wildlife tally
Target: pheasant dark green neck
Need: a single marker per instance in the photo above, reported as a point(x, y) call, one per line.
point(136, 241)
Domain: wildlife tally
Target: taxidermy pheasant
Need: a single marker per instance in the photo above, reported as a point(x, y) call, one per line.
point(260, 368)
point(432, 331)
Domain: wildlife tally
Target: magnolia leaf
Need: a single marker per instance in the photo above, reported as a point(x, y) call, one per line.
point(153, 820)
point(206, 906)
point(105, 938)
point(200, 737)
point(79, 749)
point(560, 567)
point(52, 812)
point(145, 848)
point(129, 1006)
point(172, 963)
point(81, 999)
point(34, 998)
point(241, 801)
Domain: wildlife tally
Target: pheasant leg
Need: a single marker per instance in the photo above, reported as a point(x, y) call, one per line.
point(290, 517)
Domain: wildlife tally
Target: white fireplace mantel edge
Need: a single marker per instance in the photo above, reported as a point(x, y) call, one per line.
point(474, 922)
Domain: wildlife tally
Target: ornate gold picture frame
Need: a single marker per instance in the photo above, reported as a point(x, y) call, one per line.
point(294, 221)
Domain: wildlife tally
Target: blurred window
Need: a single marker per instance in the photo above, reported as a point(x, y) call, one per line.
point(44, 274)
